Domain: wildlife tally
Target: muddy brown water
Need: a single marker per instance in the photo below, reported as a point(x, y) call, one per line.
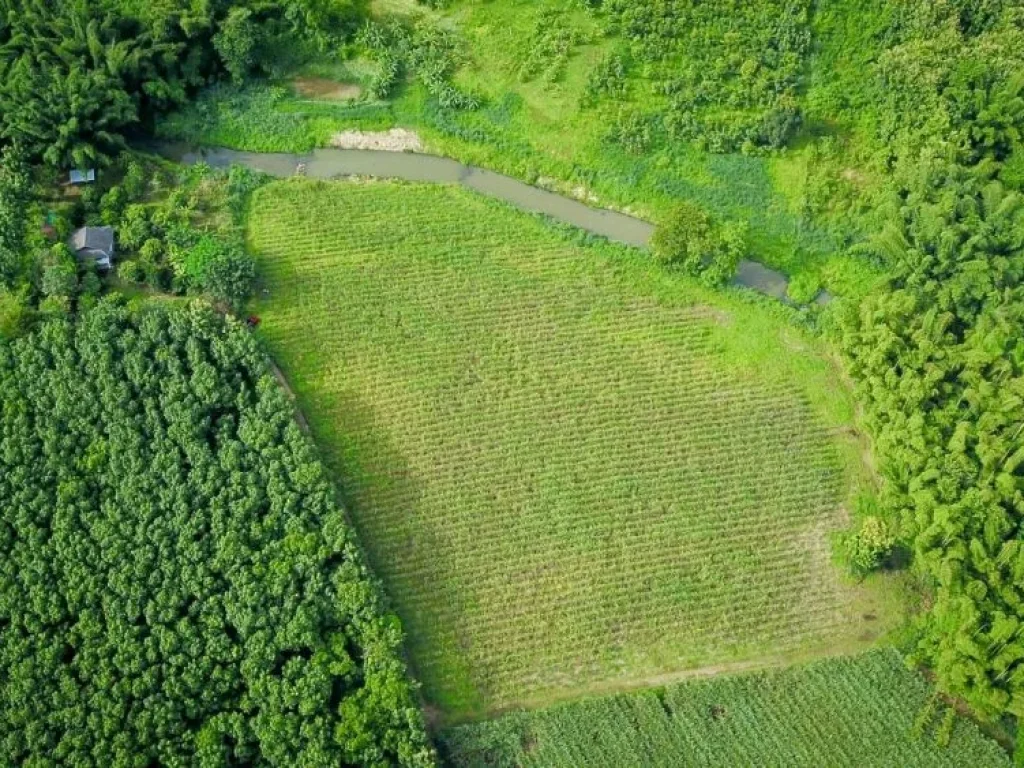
point(337, 163)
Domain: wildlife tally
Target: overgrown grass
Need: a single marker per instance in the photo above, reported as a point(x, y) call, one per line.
point(504, 136)
point(869, 711)
point(552, 113)
point(573, 469)
point(268, 118)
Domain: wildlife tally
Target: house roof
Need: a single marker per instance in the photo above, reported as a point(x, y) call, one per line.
point(93, 239)
point(80, 176)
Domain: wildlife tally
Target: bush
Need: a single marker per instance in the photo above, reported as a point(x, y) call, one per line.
point(690, 239)
point(60, 275)
point(134, 228)
point(229, 277)
point(55, 307)
point(14, 313)
point(131, 271)
point(241, 183)
point(803, 287)
point(113, 204)
point(134, 181)
point(867, 547)
point(732, 246)
point(216, 266)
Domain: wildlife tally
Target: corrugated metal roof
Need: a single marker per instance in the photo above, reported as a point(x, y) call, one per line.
point(93, 239)
point(82, 176)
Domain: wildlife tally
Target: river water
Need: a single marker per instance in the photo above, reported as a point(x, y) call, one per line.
point(335, 163)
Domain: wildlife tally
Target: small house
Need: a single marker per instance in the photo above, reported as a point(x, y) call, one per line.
point(82, 176)
point(94, 244)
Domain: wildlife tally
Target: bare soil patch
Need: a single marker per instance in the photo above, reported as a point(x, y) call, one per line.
point(395, 140)
point(322, 88)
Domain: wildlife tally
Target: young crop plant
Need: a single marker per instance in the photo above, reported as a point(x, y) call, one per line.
point(870, 710)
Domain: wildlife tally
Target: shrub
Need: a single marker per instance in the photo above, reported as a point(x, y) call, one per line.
point(635, 132)
point(131, 271)
point(690, 239)
point(229, 277)
point(134, 228)
point(60, 274)
point(216, 266)
point(112, 205)
point(685, 236)
point(732, 246)
point(14, 313)
point(134, 181)
point(867, 547)
point(242, 182)
point(608, 78)
point(55, 306)
point(803, 287)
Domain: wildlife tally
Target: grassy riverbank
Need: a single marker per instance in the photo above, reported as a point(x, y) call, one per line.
point(551, 128)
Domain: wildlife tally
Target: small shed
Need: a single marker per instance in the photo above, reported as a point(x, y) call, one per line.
point(95, 244)
point(82, 176)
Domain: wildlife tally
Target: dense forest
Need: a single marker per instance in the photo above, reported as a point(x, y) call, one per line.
point(177, 584)
point(937, 350)
point(76, 75)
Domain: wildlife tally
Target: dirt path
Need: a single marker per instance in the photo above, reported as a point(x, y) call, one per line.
point(612, 687)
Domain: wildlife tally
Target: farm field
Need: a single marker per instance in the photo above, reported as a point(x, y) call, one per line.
point(869, 711)
point(573, 470)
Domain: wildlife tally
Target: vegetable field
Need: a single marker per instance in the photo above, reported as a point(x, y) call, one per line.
point(572, 469)
point(864, 711)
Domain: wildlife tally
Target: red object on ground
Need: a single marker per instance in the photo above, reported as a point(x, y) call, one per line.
point(252, 321)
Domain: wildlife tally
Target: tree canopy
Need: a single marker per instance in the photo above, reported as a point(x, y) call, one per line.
point(177, 584)
point(75, 75)
point(940, 360)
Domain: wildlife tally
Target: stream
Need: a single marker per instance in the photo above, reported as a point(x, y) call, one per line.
point(334, 163)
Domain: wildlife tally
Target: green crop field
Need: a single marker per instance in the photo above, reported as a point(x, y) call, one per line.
point(573, 470)
point(869, 711)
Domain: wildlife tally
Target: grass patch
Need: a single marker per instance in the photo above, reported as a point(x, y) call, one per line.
point(864, 711)
point(572, 469)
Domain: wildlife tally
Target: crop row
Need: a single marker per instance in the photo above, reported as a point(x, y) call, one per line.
point(559, 470)
point(837, 712)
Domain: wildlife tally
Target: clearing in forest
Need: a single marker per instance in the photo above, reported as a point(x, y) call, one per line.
point(572, 469)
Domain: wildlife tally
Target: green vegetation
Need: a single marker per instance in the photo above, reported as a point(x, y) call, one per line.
point(937, 356)
point(577, 469)
point(189, 241)
point(572, 468)
point(176, 231)
point(691, 239)
point(76, 75)
point(177, 584)
point(559, 125)
point(868, 710)
point(936, 351)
